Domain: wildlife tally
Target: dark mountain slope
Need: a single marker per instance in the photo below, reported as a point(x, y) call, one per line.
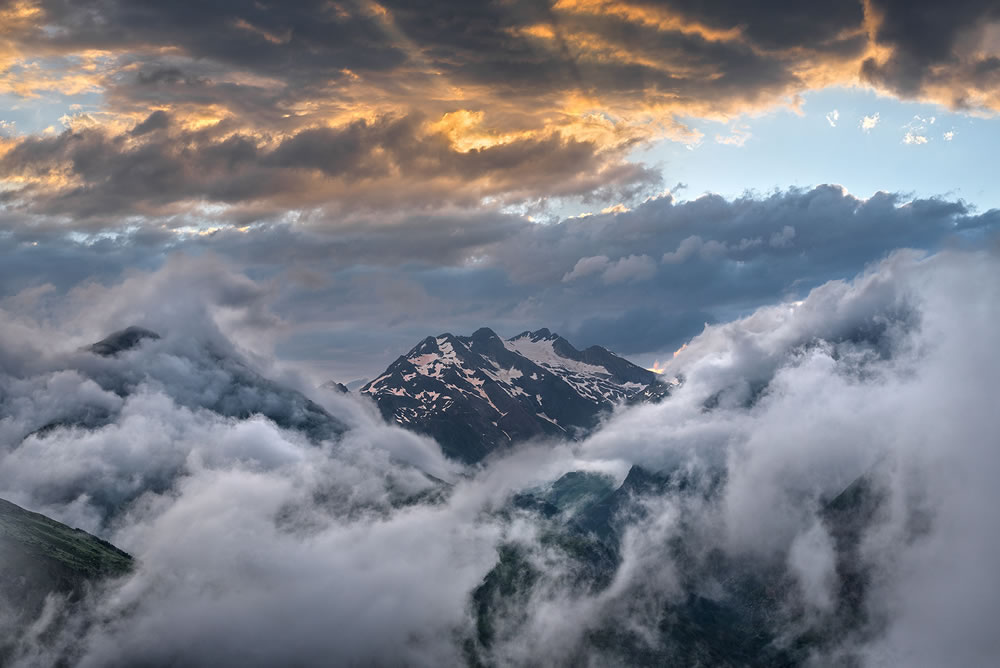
point(728, 610)
point(38, 557)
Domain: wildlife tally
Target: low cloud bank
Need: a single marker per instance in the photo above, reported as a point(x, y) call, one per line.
point(259, 543)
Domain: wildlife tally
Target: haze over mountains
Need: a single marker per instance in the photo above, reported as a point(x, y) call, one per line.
point(791, 502)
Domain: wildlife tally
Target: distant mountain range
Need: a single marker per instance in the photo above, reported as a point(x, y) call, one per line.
point(476, 393)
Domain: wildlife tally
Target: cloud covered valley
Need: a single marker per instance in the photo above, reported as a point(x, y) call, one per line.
point(818, 489)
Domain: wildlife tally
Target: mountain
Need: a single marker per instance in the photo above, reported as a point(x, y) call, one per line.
point(334, 386)
point(219, 380)
point(653, 393)
point(206, 376)
point(40, 557)
point(120, 341)
point(476, 393)
point(726, 610)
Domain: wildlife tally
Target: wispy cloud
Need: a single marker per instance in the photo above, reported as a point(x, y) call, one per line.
point(916, 130)
point(738, 135)
point(832, 118)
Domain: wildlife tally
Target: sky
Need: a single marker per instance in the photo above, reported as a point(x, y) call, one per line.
point(622, 173)
point(789, 206)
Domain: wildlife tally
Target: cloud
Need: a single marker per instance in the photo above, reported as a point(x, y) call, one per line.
point(739, 134)
point(780, 440)
point(492, 90)
point(254, 524)
point(868, 123)
point(917, 129)
point(832, 118)
point(935, 52)
point(323, 109)
point(631, 269)
point(350, 297)
point(587, 266)
point(382, 163)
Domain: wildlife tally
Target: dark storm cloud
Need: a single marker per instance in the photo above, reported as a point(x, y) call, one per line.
point(292, 39)
point(696, 51)
point(483, 42)
point(935, 45)
point(776, 23)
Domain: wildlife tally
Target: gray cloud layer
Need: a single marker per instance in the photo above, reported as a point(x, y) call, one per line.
point(642, 281)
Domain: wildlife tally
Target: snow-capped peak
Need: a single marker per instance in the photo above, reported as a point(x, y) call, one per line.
point(473, 392)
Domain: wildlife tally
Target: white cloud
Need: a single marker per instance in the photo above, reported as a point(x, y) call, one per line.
point(949, 135)
point(868, 123)
point(916, 130)
point(832, 118)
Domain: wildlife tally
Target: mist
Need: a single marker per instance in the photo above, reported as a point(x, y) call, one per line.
point(262, 538)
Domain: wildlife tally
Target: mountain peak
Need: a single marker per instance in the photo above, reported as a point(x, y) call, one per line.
point(543, 334)
point(122, 340)
point(475, 393)
point(484, 334)
point(334, 386)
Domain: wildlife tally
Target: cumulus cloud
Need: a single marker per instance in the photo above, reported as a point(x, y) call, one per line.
point(868, 123)
point(832, 118)
point(587, 266)
point(852, 355)
point(631, 269)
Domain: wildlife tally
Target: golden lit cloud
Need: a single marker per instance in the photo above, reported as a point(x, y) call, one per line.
point(505, 104)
